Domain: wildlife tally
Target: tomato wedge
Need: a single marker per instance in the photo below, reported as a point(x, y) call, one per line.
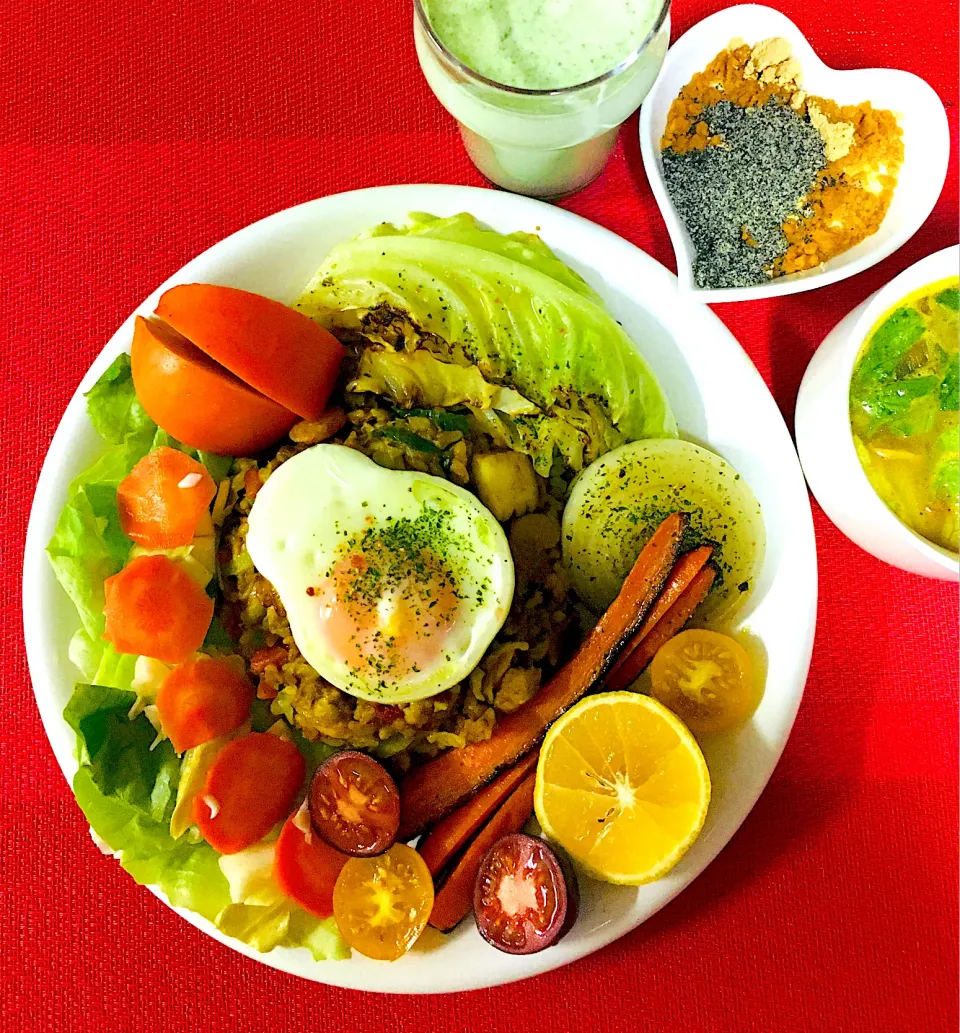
point(354, 804)
point(381, 904)
point(251, 786)
point(203, 699)
point(155, 608)
point(306, 871)
point(197, 401)
point(162, 499)
point(280, 352)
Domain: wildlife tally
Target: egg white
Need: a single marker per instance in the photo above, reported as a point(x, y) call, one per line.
point(321, 498)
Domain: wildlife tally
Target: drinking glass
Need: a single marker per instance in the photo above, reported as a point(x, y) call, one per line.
point(543, 143)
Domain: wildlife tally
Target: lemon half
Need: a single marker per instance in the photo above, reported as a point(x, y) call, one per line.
point(622, 787)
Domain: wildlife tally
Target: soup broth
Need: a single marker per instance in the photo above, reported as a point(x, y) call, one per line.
point(903, 411)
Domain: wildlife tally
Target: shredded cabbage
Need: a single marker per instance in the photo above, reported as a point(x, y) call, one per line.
point(505, 306)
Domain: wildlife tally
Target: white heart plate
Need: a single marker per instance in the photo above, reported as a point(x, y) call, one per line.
point(926, 141)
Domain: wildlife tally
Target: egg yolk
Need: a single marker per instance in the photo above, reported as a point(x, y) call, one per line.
point(387, 614)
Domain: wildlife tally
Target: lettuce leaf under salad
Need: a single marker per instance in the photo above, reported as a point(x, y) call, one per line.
point(87, 545)
point(512, 315)
point(128, 776)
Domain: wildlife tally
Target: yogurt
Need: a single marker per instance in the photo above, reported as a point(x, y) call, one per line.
point(540, 87)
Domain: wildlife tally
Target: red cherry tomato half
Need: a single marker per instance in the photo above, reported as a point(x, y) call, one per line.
point(155, 608)
point(354, 804)
point(521, 901)
point(251, 786)
point(203, 699)
point(161, 500)
point(307, 870)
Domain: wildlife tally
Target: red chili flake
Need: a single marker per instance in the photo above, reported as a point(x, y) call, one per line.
point(387, 713)
point(263, 658)
point(252, 483)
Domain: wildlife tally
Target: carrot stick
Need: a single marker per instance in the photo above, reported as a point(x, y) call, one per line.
point(454, 900)
point(433, 790)
point(445, 840)
point(664, 630)
point(684, 571)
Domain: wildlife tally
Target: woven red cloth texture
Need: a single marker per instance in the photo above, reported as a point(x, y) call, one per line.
point(133, 136)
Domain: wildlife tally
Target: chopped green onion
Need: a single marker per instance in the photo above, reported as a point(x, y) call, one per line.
point(408, 438)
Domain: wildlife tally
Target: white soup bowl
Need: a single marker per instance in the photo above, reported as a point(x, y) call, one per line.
point(825, 438)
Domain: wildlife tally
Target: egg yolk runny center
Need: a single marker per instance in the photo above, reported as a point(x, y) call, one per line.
point(384, 613)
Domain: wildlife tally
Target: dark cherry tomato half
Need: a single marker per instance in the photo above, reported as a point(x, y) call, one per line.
point(354, 804)
point(523, 900)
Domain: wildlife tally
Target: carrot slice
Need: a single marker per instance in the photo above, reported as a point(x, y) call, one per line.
point(684, 571)
point(454, 901)
point(445, 840)
point(433, 790)
point(160, 502)
point(203, 699)
point(251, 786)
point(153, 607)
point(664, 630)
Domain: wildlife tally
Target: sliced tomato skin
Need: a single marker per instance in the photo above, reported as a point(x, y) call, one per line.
point(203, 699)
point(355, 804)
point(161, 500)
point(155, 608)
point(196, 400)
point(542, 890)
point(280, 352)
point(252, 785)
point(307, 871)
point(382, 904)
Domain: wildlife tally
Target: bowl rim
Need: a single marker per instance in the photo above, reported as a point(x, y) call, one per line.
point(723, 25)
point(946, 260)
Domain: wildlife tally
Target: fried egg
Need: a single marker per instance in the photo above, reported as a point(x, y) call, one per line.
point(394, 582)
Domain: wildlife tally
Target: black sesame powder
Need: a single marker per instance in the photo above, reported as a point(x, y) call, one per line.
point(734, 198)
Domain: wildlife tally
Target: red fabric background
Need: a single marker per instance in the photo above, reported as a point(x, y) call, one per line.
point(134, 135)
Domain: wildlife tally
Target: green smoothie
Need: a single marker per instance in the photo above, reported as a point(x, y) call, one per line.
point(542, 44)
point(476, 54)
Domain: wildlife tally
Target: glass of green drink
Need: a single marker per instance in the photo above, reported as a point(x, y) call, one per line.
point(540, 87)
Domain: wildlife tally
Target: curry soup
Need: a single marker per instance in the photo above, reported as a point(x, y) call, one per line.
point(903, 411)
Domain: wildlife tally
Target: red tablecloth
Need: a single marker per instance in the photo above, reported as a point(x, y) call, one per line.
point(135, 135)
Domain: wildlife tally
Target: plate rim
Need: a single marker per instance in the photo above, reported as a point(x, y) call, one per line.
point(54, 475)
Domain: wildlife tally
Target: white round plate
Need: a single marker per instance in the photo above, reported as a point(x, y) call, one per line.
point(719, 399)
point(926, 142)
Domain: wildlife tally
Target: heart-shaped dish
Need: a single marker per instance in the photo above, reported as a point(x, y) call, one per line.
point(926, 140)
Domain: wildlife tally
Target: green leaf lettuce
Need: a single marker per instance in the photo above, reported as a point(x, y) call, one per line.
point(126, 783)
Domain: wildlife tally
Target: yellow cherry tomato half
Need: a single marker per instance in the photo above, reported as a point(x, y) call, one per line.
point(382, 904)
point(705, 678)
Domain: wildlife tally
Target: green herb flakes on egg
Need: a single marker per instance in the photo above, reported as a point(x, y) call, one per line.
point(394, 582)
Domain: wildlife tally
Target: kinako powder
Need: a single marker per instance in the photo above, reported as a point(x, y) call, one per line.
point(863, 147)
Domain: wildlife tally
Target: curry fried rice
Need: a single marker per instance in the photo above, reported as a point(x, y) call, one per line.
point(541, 630)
